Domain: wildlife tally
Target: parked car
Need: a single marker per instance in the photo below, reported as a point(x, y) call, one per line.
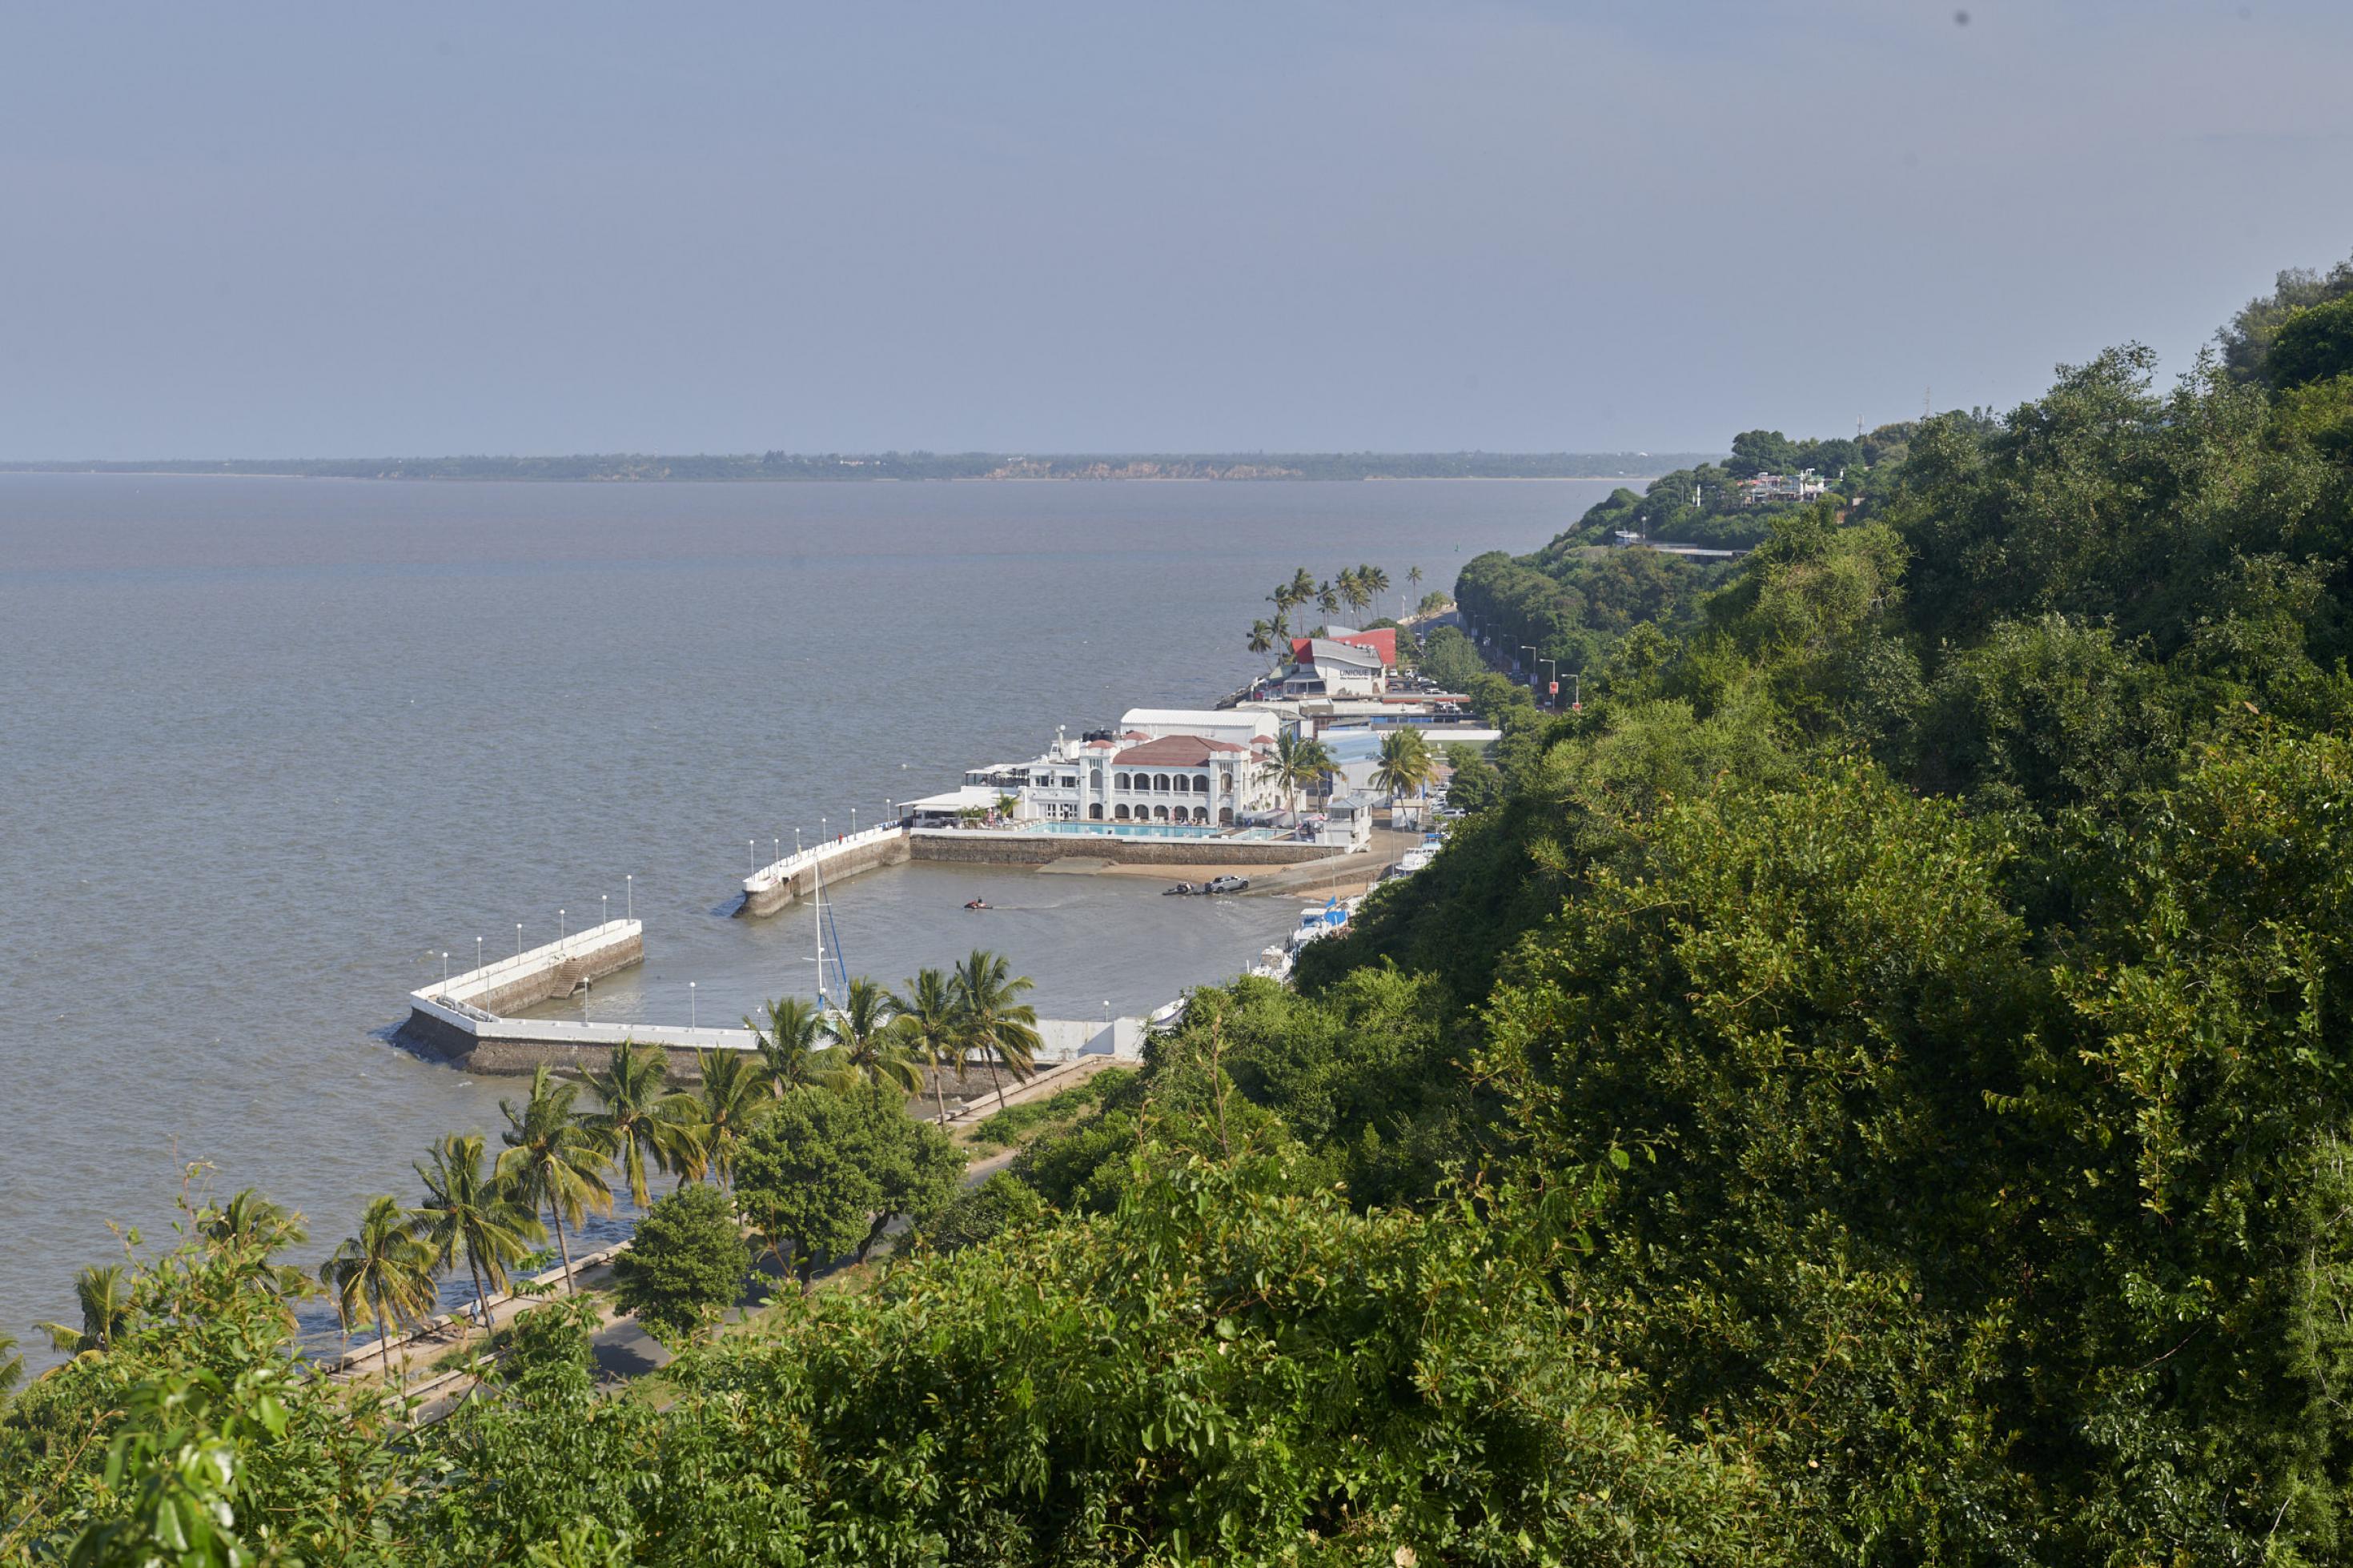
point(1227, 885)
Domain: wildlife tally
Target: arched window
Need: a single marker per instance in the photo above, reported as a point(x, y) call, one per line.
point(1118, 813)
point(1159, 813)
point(1160, 782)
point(1201, 815)
point(1202, 783)
point(1226, 783)
point(1094, 779)
point(1094, 810)
point(1183, 785)
point(1225, 816)
point(1119, 781)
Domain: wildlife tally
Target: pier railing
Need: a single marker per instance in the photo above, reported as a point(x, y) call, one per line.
point(783, 870)
point(462, 989)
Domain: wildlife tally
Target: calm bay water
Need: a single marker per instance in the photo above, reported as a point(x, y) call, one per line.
point(269, 747)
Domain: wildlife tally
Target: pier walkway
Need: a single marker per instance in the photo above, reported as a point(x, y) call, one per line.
point(465, 1019)
point(789, 880)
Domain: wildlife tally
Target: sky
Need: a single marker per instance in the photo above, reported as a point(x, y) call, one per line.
point(258, 231)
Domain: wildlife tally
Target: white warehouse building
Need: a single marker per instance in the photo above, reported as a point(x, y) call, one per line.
point(1202, 780)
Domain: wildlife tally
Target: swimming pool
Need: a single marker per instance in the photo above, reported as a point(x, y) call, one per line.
point(1151, 830)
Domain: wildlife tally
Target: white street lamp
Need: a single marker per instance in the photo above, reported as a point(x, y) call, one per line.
point(477, 955)
point(560, 931)
point(689, 1004)
point(445, 969)
point(518, 939)
point(629, 897)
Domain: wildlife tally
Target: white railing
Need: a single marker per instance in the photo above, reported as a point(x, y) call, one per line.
point(770, 877)
point(463, 988)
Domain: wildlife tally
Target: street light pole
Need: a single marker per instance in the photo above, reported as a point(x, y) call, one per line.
point(561, 933)
point(689, 1004)
point(629, 897)
point(477, 955)
point(518, 939)
point(604, 903)
point(445, 969)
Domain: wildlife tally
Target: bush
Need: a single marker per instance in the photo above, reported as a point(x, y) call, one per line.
point(686, 1266)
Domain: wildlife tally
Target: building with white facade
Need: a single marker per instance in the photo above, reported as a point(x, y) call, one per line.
point(1133, 777)
point(1244, 727)
point(1331, 669)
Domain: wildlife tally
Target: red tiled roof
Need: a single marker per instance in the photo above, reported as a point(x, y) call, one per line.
point(1176, 752)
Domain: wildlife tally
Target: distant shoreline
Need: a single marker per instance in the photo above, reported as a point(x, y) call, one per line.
point(892, 467)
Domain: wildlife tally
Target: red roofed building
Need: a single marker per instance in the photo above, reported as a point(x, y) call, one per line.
point(1189, 779)
point(1382, 641)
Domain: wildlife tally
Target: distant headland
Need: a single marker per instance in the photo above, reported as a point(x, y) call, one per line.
point(843, 467)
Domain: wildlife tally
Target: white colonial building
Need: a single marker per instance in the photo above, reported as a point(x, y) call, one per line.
point(1133, 777)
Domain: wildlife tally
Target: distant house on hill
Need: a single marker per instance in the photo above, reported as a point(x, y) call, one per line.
point(1767, 490)
point(1328, 666)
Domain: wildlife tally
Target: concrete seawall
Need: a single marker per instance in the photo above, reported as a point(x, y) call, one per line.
point(970, 847)
point(776, 887)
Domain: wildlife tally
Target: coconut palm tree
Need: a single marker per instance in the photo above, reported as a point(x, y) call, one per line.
point(382, 1274)
point(1413, 578)
point(103, 1292)
point(1405, 765)
point(733, 1099)
point(1373, 581)
point(643, 1119)
point(1262, 637)
point(785, 1036)
point(250, 1224)
point(554, 1159)
point(870, 1051)
point(1327, 598)
point(927, 1027)
point(467, 1212)
point(1296, 764)
point(12, 1366)
point(993, 1019)
point(1354, 588)
point(1301, 587)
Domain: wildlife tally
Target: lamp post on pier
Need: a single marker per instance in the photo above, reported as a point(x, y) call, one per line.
point(477, 955)
point(752, 854)
point(689, 1004)
point(605, 905)
point(561, 933)
point(518, 939)
point(629, 897)
point(853, 822)
point(445, 970)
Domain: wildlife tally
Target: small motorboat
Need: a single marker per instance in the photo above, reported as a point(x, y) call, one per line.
point(976, 903)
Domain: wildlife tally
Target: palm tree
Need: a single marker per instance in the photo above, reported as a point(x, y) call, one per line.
point(735, 1097)
point(991, 1017)
point(251, 1224)
point(553, 1158)
point(644, 1119)
point(103, 1292)
point(12, 1366)
point(470, 1213)
point(872, 1052)
point(1373, 581)
point(788, 1043)
point(382, 1275)
point(1262, 637)
point(1297, 764)
point(1354, 588)
point(1405, 765)
point(927, 1027)
point(1301, 587)
point(1327, 598)
point(1413, 578)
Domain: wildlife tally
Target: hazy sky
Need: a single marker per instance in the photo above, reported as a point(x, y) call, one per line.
point(330, 230)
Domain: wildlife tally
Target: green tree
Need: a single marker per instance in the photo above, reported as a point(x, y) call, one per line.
point(731, 1100)
point(992, 1018)
point(871, 1051)
point(12, 1368)
point(1295, 765)
point(1001, 1203)
point(685, 1265)
point(467, 1212)
point(805, 1180)
point(930, 1030)
point(642, 1121)
point(1262, 636)
point(1405, 765)
point(103, 1291)
point(554, 1158)
point(382, 1274)
point(2314, 343)
point(252, 1222)
point(786, 1037)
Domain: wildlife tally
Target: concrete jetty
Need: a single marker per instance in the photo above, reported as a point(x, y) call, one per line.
point(463, 1020)
point(786, 882)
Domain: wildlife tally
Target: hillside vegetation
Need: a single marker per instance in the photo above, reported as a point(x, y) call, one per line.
point(1876, 1087)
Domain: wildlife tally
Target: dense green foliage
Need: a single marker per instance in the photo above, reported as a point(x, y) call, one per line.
point(1876, 1087)
point(685, 1265)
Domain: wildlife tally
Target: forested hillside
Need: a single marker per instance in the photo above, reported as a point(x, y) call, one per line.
point(1876, 1087)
